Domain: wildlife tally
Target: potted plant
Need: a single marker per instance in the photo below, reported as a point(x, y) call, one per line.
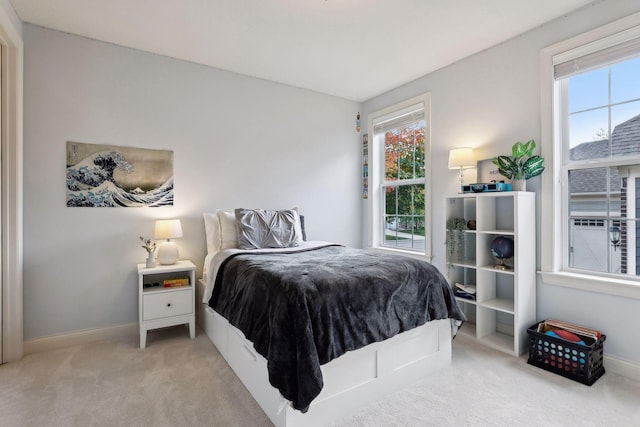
point(150, 248)
point(455, 239)
point(521, 165)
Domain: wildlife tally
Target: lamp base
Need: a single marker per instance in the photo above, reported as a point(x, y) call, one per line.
point(461, 181)
point(167, 253)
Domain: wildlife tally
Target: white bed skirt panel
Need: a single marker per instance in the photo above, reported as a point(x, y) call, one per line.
point(351, 381)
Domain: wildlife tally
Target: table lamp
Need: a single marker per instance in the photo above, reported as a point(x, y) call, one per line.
point(167, 229)
point(462, 158)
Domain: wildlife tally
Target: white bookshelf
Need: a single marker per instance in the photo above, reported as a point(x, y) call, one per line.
point(505, 304)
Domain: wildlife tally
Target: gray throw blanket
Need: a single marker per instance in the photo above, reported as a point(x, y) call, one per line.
point(304, 309)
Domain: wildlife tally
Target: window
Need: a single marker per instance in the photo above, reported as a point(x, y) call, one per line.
point(600, 121)
point(400, 144)
point(591, 211)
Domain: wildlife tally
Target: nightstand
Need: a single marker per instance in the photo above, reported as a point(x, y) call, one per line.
point(160, 306)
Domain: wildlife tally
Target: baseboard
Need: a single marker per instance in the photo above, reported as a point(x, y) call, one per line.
point(622, 367)
point(54, 342)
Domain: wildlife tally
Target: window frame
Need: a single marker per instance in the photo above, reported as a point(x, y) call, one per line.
point(554, 262)
point(376, 177)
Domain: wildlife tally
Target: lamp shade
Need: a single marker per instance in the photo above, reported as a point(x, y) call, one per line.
point(168, 229)
point(462, 158)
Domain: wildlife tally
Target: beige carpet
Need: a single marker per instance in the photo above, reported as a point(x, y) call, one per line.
point(180, 382)
point(175, 381)
point(484, 387)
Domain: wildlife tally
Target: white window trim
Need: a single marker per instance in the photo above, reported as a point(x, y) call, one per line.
point(552, 222)
point(376, 175)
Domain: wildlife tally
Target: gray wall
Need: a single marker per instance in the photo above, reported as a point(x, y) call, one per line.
point(489, 101)
point(7, 7)
point(237, 141)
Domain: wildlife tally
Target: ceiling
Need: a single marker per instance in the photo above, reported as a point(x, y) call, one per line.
point(354, 49)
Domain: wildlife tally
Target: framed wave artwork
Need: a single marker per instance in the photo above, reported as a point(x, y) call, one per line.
point(110, 176)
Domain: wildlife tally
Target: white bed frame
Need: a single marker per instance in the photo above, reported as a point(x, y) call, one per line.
point(351, 381)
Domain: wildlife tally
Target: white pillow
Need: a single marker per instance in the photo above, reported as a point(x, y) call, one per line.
point(228, 233)
point(212, 231)
point(220, 229)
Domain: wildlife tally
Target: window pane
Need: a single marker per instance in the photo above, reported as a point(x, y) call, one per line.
point(588, 213)
point(406, 157)
point(584, 182)
point(590, 246)
point(625, 120)
point(404, 217)
point(589, 90)
point(625, 84)
point(615, 187)
point(419, 152)
point(604, 204)
point(590, 181)
point(411, 152)
point(404, 152)
point(588, 134)
point(390, 157)
point(596, 191)
point(390, 201)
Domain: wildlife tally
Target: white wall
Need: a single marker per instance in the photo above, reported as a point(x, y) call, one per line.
point(489, 101)
point(237, 142)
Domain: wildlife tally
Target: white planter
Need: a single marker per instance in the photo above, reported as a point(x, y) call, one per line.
point(519, 185)
point(151, 262)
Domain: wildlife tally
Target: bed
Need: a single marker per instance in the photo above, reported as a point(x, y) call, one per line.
point(314, 329)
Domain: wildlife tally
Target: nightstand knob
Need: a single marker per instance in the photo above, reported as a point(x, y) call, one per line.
point(168, 304)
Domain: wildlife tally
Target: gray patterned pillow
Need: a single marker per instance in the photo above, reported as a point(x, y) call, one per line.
point(260, 228)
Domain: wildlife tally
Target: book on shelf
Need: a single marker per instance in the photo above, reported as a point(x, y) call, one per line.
point(175, 283)
point(465, 295)
point(470, 289)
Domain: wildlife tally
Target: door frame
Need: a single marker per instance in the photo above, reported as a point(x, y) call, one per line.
point(11, 170)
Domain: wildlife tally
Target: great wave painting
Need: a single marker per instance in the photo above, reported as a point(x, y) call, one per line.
point(110, 176)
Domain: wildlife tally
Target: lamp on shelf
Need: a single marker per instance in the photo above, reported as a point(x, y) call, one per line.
point(462, 158)
point(168, 229)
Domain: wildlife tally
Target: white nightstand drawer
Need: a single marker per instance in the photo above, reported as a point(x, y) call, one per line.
point(167, 304)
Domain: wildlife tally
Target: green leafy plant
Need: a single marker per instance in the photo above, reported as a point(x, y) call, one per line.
point(522, 164)
point(148, 246)
point(455, 238)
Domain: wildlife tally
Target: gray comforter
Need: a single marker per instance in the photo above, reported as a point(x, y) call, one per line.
point(304, 309)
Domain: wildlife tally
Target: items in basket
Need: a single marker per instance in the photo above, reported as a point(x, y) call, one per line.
point(569, 332)
point(565, 335)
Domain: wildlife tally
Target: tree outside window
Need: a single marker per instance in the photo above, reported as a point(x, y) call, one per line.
point(403, 187)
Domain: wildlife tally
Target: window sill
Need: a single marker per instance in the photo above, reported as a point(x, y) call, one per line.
point(603, 285)
point(411, 254)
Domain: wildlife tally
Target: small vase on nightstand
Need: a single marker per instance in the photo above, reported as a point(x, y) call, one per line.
point(151, 262)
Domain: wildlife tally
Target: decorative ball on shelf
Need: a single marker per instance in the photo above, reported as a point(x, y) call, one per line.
point(471, 224)
point(502, 250)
